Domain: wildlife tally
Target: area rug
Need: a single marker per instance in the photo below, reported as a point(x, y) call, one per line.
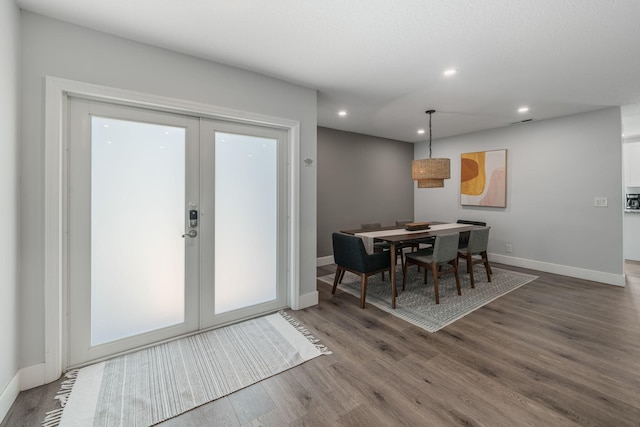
point(417, 304)
point(161, 382)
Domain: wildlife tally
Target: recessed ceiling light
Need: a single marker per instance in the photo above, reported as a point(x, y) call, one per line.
point(420, 131)
point(342, 113)
point(450, 72)
point(523, 109)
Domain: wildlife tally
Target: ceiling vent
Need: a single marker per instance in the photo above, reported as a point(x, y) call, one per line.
point(521, 121)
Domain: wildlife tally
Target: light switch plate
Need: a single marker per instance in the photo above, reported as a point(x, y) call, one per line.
point(600, 202)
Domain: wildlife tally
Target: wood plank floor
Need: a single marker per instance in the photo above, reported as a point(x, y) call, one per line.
point(556, 352)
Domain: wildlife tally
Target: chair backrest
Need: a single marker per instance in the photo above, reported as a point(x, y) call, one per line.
point(349, 252)
point(464, 236)
point(478, 240)
point(400, 222)
point(370, 225)
point(445, 247)
point(465, 221)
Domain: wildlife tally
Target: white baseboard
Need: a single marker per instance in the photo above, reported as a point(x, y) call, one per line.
point(9, 394)
point(564, 270)
point(24, 379)
point(308, 300)
point(325, 260)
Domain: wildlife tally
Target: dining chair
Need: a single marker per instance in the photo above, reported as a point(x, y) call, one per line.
point(475, 252)
point(443, 253)
point(464, 235)
point(350, 255)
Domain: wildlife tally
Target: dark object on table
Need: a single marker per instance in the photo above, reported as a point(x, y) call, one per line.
point(415, 226)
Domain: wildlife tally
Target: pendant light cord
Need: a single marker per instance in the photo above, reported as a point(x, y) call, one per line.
point(430, 135)
point(430, 113)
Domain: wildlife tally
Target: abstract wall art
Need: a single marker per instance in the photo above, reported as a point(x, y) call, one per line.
point(483, 178)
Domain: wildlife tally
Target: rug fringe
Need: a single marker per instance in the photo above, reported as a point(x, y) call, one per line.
point(305, 332)
point(53, 418)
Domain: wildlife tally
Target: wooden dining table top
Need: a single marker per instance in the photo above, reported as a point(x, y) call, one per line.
point(413, 235)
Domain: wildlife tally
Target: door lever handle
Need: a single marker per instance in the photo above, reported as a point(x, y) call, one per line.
point(191, 233)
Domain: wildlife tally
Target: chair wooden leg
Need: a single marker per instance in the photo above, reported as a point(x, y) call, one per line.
point(363, 290)
point(470, 268)
point(434, 269)
point(404, 273)
point(455, 271)
point(337, 279)
point(486, 264)
point(341, 276)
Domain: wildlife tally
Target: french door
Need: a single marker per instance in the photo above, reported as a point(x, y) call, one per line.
point(175, 224)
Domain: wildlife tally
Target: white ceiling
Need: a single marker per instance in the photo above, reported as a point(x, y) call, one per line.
point(383, 60)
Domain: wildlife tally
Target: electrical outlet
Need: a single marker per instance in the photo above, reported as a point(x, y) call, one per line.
point(600, 202)
point(508, 248)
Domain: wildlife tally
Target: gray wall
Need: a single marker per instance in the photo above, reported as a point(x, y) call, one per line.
point(361, 179)
point(9, 84)
point(555, 168)
point(54, 48)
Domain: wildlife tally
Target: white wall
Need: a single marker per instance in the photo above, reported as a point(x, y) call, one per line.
point(9, 84)
point(62, 50)
point(555, 168)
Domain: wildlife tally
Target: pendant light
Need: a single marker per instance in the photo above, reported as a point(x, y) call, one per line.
point(430, 173)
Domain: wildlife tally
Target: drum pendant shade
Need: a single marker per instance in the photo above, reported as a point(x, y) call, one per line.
point(430, 173)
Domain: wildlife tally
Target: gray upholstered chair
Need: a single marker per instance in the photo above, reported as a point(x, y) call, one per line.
point(349, 254)
point(464, 236)
point(443, 253)
point(475, 252)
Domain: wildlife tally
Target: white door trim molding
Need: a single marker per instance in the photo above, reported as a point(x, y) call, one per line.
point(56, 93)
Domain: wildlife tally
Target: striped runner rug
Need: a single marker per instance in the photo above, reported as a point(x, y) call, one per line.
point(158, 383)
point(417, 304)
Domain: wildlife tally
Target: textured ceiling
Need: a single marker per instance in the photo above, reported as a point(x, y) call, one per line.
point(383, 60)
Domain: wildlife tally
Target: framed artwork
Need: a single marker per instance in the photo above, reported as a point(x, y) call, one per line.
point(483, 178)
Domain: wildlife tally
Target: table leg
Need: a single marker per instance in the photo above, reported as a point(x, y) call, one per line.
point(392, 250)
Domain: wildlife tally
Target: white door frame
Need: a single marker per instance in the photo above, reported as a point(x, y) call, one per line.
point(55, 245)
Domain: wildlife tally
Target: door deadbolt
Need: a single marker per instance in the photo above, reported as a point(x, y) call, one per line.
point(193, 218)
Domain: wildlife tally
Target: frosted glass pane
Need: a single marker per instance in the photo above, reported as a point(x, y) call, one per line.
point(137, 220)
point(245, 223)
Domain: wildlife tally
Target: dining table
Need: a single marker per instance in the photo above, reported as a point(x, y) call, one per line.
point(394, 235)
